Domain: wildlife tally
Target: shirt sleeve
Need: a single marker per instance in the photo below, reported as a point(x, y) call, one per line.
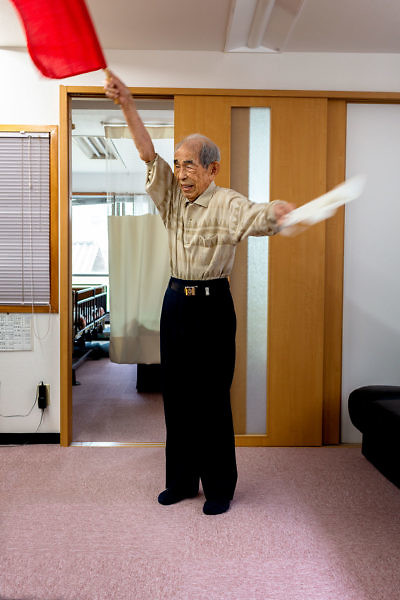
point(252, 219)
point(160, 183)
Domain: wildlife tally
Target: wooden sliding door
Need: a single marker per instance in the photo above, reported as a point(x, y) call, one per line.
point(296, 265)
point(288, 293)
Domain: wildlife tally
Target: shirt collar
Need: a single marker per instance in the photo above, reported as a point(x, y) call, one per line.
point(205, 197)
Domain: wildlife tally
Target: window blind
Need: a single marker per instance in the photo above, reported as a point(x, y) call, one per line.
point(24, 218)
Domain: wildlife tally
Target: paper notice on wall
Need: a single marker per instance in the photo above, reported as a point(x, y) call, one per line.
point(15, 332)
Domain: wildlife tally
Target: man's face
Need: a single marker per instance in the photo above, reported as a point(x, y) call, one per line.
point(193, 178)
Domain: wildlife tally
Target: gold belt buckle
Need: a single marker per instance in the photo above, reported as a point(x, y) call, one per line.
point(190, 290)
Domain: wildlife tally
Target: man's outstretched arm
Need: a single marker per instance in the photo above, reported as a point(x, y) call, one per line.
point(117, 91)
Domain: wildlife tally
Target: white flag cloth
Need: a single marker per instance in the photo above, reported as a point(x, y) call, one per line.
point(325, 206)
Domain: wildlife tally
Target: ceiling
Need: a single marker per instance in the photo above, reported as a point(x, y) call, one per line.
point(367, 26)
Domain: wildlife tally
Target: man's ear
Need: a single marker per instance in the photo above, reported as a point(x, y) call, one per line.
point(214, 168)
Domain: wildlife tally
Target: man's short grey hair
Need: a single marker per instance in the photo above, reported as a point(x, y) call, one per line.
point(208, 151)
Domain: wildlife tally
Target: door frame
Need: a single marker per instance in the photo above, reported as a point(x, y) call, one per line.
point(334, 232)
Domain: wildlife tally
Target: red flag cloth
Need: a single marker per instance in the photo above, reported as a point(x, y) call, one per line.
point(61, 37)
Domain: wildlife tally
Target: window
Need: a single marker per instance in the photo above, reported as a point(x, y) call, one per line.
point(28, 219)
point(250, 175)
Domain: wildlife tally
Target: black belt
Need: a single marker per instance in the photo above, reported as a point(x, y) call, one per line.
point(210, 287)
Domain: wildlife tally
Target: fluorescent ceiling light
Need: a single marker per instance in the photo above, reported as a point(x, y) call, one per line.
point(261, 25)
point(96, 147)
point(157, 131)
point(261, 17)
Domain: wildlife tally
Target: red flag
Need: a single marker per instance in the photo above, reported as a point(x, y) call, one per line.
point(61, 37)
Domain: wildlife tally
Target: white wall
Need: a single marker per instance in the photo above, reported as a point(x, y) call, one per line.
point(371, 310)
point(21, 372)
point(28, 98)
point(279, 71)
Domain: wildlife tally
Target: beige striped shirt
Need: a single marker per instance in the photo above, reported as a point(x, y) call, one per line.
point(203, 234)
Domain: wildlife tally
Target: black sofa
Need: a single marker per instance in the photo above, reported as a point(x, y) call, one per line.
point(375, 411)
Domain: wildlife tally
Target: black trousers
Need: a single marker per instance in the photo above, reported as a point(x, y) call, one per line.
point(197, 360)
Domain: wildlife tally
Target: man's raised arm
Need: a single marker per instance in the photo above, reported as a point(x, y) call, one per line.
point(117, 91)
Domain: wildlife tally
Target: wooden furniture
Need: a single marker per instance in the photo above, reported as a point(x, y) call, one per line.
point(89, 314)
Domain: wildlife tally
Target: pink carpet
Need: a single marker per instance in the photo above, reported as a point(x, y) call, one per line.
point(107, 407)
point(306, 524)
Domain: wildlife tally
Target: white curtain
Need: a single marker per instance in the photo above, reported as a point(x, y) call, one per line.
point(139, 272)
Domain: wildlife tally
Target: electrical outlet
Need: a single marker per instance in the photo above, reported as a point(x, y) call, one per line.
point(43, 395)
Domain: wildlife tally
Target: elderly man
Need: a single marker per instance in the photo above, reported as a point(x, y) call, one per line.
point(198, 323)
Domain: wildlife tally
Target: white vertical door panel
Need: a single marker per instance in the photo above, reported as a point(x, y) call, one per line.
point(371, 310)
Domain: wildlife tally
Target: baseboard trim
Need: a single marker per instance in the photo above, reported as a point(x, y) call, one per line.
point(11, 439)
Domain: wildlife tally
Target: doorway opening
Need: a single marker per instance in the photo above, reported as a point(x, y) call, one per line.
point(115, 347)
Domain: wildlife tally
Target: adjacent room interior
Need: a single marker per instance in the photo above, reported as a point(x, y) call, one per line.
point(119, 274)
